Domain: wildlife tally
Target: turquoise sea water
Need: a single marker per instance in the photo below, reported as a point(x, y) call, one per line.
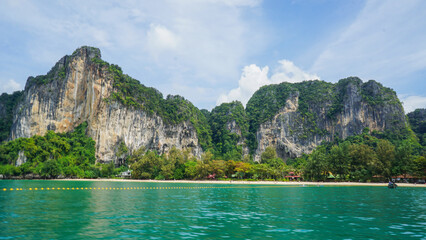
point(233, 212)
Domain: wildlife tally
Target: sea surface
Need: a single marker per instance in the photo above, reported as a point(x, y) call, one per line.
point(132, 210)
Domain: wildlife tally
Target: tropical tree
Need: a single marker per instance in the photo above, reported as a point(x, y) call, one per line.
point(316, 167)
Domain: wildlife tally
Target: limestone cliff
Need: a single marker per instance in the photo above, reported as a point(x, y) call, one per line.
point(293, 118)
point(229, 127)
point(316, 111)
point(83, 88)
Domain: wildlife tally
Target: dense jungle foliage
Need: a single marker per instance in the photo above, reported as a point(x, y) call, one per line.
point(181, 165)
point(228, 123)
point(363, 157)
point(417, 121)
point(8, 103)
point(54, 155)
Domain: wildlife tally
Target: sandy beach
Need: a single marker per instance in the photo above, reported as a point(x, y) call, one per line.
point(293, 183)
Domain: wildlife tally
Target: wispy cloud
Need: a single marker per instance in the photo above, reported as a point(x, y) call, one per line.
point(190, 43)
point(254, 77)
point(160, 38)
point(411, 103)
point(386, 42)
point(9, 86)
point(203, 45)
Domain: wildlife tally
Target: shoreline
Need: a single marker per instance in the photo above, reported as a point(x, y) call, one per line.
point(292, 183)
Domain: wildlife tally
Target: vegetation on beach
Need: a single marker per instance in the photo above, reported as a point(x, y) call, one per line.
point(181, 165)
point(359, 158)
point(54, 155)
point(363, 158)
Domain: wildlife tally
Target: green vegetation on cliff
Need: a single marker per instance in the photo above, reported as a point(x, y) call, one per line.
point(263, 105)
point(315, 98)
point(58, 72)
point(229, 126)
point(375, 94)
point(8, 103)
point(417, 121)
point(173, 110)
point(312, 95)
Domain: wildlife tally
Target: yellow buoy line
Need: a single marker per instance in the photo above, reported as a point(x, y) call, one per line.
point(124, 188)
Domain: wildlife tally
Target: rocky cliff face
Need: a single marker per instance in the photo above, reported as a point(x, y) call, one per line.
point(228, 123)
point(292, 118)
point(234, 128)
point(342, 110)
point(75, 91)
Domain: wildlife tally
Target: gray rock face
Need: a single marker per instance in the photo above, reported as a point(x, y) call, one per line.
point(291, 134)
point(74, 94)
point(137, 129)
point(233, 127)
point(21, 158)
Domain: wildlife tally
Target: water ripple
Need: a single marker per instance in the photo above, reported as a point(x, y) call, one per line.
point(246, 213)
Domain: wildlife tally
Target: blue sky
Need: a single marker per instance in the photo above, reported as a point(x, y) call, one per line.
point(216, 51)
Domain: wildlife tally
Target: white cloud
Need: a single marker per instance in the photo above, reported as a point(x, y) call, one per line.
point(238, 3)
point(189, 43)
point(386, 42)
point(9, 86)
point(254, 77)
point(288, 72)
point(160, 39)
point(411, 103)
